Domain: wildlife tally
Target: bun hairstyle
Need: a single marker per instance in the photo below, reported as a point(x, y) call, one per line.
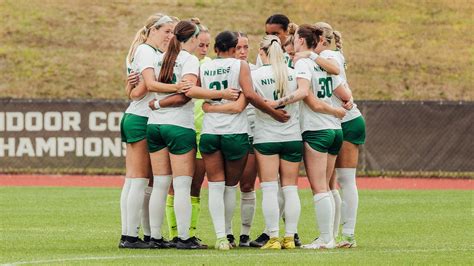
point(279, 19)
point(201, 27)
point(271, 45)
point(225, 41)
point(292, 28)
point(310, 33)
point(183, 31)
point(157, 20)
point(329, 34)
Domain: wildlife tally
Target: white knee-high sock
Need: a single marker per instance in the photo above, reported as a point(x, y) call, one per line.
point(322, 204)
point(157, 205)
point(281, 201)
point(216, 207)
point(182, 204)
point(145, 212)
point(134, 205)
point(350, 199)
point(123, 204)
point(270, 209)
point(337, 211)
point(333, 211)
point(292, 209)
point(230, 194)
point(247, 211)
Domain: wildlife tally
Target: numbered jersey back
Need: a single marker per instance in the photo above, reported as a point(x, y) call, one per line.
point(220, 74)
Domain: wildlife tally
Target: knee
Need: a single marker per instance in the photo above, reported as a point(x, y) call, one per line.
point(246, 187)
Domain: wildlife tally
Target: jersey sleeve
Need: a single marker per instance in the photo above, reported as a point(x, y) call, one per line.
point(191, 66)
point(144, 58)
point(336, 81)
point(302, 70)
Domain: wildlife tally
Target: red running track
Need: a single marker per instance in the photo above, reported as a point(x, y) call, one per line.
point(117, 181)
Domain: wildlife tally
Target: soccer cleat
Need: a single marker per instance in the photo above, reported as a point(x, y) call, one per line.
point(186, 244)
point(297, 240)
point(273, 243)
point(159, 243)
point(288, 243)
point(135, 243)
point(260, 241)
point(318, 243)
point(347, 242)
point(122, 241)
point(231, 240)
point(198, 242)
point(244, 241)
point(222, 244)
point(173, 242)
point(146, 238)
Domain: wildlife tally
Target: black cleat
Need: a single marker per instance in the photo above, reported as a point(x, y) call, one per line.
point(146, 238)
point(260, 241)
point(297, 240)
point(198, 242)
point(135, 243)
point(231, 240)
point(159, 243)
point(186, 244)
point(244, 241)
point(173, 242)
point(122, 241)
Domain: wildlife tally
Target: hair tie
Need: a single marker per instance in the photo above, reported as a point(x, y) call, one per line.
point(274, 40)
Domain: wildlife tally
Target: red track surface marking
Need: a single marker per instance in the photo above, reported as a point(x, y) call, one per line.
point(117, 181)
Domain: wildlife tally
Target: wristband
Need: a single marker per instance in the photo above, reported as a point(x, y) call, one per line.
point(313, 56)
point(157, 105)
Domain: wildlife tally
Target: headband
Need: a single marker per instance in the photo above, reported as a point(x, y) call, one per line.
point(196, 32)
point(162, 20)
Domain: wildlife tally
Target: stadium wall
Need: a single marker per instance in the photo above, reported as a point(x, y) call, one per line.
point(83, 136)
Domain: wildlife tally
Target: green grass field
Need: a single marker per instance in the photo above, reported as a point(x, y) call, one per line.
point(82, 226)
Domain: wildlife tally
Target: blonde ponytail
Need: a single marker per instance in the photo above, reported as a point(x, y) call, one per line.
point(338, 40)
point(142, 34)
point(272, 47)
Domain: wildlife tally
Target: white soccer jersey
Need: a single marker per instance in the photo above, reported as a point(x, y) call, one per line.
point(341, 61)
point(267, 129)
point(322, 85)
point(219, 74)
point(182, 116)
point(250, 109)
point(145, 57)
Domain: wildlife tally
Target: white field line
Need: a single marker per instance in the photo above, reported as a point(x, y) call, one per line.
point(224, 254)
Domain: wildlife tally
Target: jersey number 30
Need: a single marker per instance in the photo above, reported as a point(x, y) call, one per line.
point(325, 87)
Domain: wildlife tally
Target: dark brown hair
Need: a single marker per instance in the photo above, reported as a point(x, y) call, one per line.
point(310, 33)
point(183, 31)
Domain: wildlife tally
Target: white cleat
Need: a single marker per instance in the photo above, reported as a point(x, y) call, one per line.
point(318, 243)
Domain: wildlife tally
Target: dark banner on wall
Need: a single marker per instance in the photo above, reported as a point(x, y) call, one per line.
point(84, 136)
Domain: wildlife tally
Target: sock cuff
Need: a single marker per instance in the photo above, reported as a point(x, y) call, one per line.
point(289, 188)
point(183, 180)
point(195, 199)
point(161, 180)
point(141, 181)
point(319, 196)
point(231, 187)
point(248, 195)
point(148, 190)
point(346, 172)
point(335, 192)
point(269, 185)
point(220, 184)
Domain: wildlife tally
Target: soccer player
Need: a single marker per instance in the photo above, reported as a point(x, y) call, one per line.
point(353, 128)
point(171, 134)
point(224, 140)
point(247, 182)
point(278, 146)
point(199, 173)
point(322, 133)
point(141, 59)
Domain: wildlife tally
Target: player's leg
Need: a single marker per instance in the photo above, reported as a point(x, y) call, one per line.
point(268, 165)
point(247, 199)
point(291, 157)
